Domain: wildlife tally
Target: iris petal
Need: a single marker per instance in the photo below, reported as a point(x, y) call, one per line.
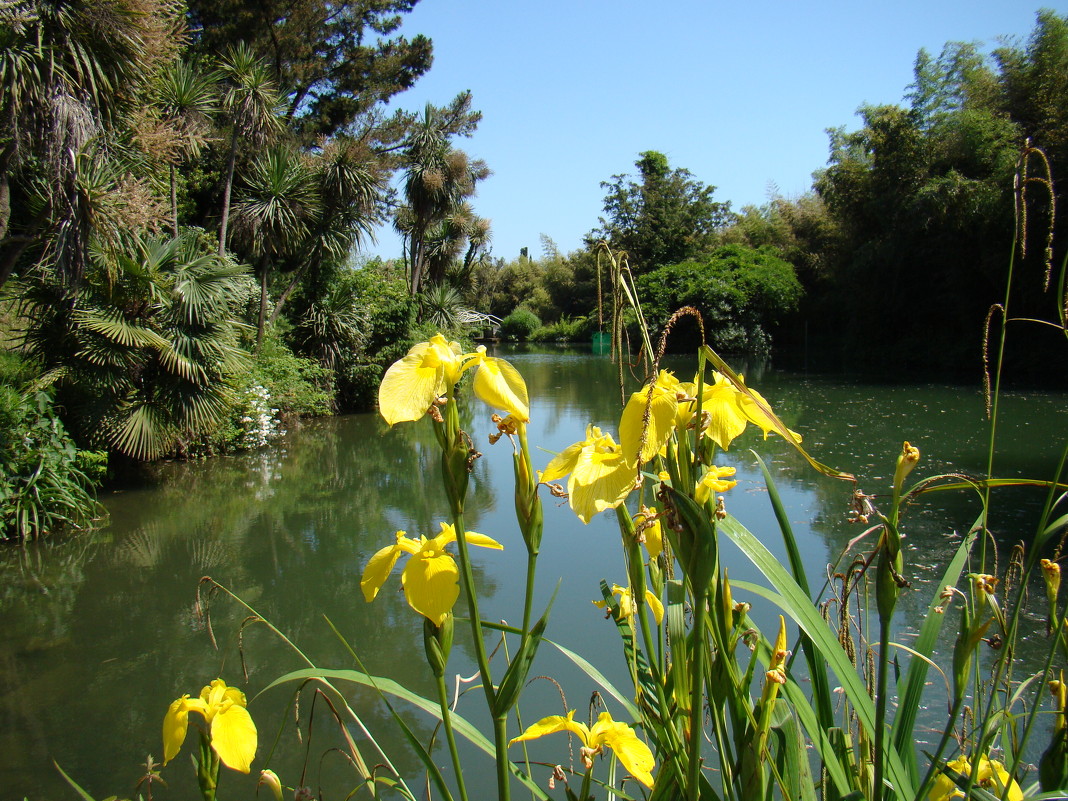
point(234, 738)
point(553, 724)
point(431, 584)
point(411, 384)
point(498, 384)
point(175, 726)
point(631, 751)
point(662, 408)
point(599, 481)
point(381, 565)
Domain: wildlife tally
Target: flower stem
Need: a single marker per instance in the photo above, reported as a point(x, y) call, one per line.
point(480, 651)
point(697, 675)
point(446, 721)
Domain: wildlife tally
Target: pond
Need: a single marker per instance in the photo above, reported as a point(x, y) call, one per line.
point(102, 632)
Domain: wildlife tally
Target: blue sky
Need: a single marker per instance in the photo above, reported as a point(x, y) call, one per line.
point(739, 93)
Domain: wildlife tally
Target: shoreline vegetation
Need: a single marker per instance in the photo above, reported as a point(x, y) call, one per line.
point(180, 205)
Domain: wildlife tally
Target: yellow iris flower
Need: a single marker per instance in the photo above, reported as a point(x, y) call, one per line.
point(991, 776)
point(627, 606)
point(729, 411)
point(412, 384)
point(431, 576)
point(600, 477)
point(662, 406)
point(431, 369)
point(606, 733)
point(233, 734)
point(713, 481)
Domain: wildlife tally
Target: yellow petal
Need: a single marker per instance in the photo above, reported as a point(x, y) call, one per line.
point(381, 565)
point(655, 605)
point(449, 356)
point(500, 385)
point(175, 726)
point(663, 406)
point(431, 584)
point(599, 481)
point(726, 420)
point(634, 754)
point(233, 736)
point(411, 384)
point(563, 463)
point(553, 724)
point(481, 540)
point(713, 481)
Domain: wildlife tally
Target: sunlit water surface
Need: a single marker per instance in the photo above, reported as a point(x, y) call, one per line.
point(101, 633)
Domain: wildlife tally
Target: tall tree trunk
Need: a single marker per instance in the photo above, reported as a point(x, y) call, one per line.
point(289, 291)
point(263, 305)
point(174, 200)
point(5, 191)
point(227, 185)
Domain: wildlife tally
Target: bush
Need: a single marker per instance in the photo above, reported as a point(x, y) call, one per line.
point(741, 292)
point(520, 325)
point(46, 483)
point(565, 330)
point(296, 387)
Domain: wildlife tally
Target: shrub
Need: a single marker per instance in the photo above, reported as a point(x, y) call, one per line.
point(46, 484)
point(741, 292)
point(564, 330)
point(519, 325)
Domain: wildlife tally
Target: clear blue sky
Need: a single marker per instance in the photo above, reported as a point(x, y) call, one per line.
point(739, 93)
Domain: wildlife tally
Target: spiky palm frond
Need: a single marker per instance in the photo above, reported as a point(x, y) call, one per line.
point(276, 205)
point(145, 358)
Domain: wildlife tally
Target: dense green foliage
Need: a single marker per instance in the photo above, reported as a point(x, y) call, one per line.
point(667, 217)
point(903, 247)
point(520, 325)
point(46, 483)
point(741, 293)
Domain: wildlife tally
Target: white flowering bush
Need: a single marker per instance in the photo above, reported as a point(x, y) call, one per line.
point(258, 423)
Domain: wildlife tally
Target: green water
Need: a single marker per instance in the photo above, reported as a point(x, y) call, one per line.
point(101, 633)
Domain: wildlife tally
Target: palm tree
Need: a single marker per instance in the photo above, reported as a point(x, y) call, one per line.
point(187, 100)
point(253, 104)
point(278, 206)
point(143, 351)
point(352, 189)
point(67, 70)
point(438, 180)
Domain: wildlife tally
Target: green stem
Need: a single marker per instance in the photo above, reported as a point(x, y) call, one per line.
point(697, 679)
point(500, 741)
point(880, 708)
point(585, 792)
point(450, 736)
point(480, 647)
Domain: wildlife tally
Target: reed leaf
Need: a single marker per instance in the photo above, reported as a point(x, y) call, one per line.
point(792, 600)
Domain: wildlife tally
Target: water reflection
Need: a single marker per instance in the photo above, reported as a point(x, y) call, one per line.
point(101, 633)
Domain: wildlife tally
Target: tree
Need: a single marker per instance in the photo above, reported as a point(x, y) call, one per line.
point(336, 58)
point(435, 220)
point(252, 104)
point(666, 218)
point(187, 100)
point(142, 352)
point(68, 73)
point(742, 293)
point(278, 207)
